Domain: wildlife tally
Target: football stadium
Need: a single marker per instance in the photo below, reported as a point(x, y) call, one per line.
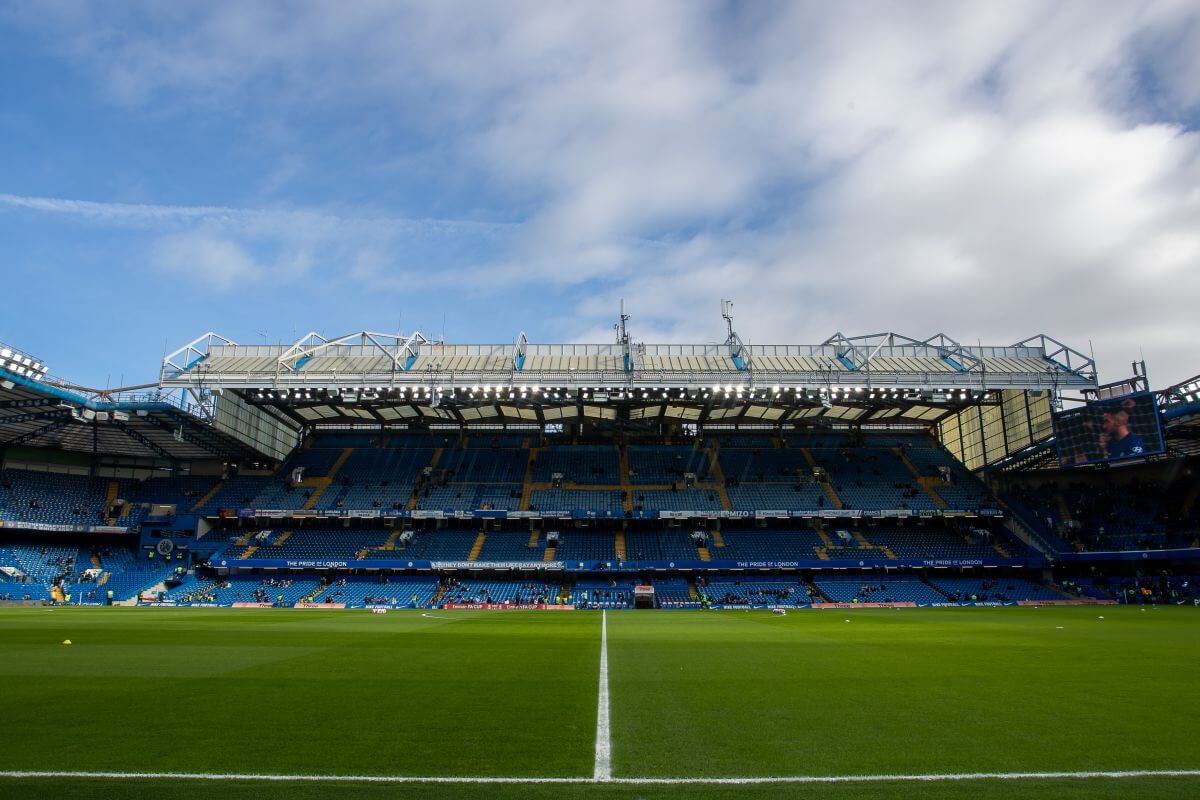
point(373, 424)
point(384, 565)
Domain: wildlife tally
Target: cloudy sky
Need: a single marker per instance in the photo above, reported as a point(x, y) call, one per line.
point(991, 170)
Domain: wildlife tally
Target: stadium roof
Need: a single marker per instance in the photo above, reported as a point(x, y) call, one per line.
point(37, 409)
point(368, 377)
point(882, 361)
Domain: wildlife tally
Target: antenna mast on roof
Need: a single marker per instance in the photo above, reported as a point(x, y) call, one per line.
point(622, 332)
point(727, 313)
point(623, 337)
point(737, 350)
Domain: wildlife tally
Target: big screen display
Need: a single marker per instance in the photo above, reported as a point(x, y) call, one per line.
point(1109, 430)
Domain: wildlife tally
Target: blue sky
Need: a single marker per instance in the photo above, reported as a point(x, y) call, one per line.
point(262, 170)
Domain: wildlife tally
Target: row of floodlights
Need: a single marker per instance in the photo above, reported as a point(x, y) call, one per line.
point(21, 364)
point(599, 394)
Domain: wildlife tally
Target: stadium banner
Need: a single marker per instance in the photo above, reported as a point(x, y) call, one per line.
point(498, 565)
point(1078, 601)
point(18, 525)
point(508, 606)
point(487, 513)
point(319, 605)
point(247, 604)
point(904, 604)
point(755, 606)
point(1176, 554)
point(981, 603)
point(609, 566)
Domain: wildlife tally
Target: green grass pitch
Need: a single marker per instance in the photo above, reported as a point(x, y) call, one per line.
point(514, 694)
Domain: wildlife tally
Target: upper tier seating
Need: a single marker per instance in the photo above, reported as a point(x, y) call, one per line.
point(376, 479)
point(778, 496)
point(766, 465)
point(51, 498)
point(660, 546)
point(451, 544)
point(483, 465)
point(511, 546)
point(585, 465)
point(182, 492)
point(597, 500)
point(234, 493)
point(964, 492)
point(470, 497)
point(873, 479)
point(662, 464)
point(675, 500)
point(754, 545)
point(586, 546)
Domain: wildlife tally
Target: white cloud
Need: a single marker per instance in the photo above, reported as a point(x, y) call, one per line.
point(206, 259)
point(987, 169)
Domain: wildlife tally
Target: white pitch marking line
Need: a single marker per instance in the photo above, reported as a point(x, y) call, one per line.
point(772, 779)
point(603, 771)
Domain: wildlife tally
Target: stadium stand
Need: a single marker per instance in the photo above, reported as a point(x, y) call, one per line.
point(595, 465)
point(756, 591)
point(397, 592)
point(877, 589)
point(663, 464)
point(603, 594)
point(576, 500)
point(674, 593)
point(466, 495)
point(985, 590)
point(498, 592)
point(510, 546)
point(1138, 515)
point(586, 546)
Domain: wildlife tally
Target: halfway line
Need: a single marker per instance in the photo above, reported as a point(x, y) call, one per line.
point(603, 771)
